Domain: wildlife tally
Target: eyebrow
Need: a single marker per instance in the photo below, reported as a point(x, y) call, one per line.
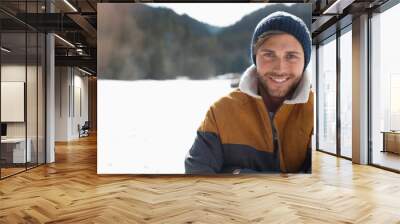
point(266, 50)
point(293, 52)
point(269, 50)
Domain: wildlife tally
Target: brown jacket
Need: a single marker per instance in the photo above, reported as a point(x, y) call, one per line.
point(237, 132)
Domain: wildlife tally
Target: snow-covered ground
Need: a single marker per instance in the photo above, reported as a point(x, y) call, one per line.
point(147, 127)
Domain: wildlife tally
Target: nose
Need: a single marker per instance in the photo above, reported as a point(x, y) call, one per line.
point(280, 66)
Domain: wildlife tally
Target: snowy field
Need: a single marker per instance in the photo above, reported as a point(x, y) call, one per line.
point(147, 127)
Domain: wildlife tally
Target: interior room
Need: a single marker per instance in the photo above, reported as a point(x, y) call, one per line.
point(59, 141)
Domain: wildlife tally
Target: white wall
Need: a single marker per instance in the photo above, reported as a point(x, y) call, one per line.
point(80, 84)
point(71, 93)
point(62, 81)
point(12, 73)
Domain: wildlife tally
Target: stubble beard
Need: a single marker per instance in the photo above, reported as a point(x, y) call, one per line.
point(282, 92)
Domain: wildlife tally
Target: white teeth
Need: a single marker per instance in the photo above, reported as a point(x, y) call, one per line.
point(279, 80)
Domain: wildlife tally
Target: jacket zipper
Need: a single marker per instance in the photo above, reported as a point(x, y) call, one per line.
point(275, 132)
point(272, 123)
point(279, 152)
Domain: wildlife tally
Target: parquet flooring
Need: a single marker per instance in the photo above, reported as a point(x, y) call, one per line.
point(10, 171)
point(70, 191)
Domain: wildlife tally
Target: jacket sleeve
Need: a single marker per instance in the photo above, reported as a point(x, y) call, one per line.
point(206, 154)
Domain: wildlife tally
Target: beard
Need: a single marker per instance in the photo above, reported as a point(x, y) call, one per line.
point(272, 83)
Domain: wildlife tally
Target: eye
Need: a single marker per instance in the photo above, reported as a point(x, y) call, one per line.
point(292, 56)
point(268, 54)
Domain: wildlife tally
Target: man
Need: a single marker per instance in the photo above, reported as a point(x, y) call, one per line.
point(266, 124)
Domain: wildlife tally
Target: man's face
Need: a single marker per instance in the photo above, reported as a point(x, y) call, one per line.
point(280, 63)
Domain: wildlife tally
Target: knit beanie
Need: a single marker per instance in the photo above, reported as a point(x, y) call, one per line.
point(287, 23)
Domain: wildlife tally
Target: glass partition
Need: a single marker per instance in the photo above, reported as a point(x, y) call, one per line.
point(13, 105)
point(31, 100)
point(385, 89)
point(22, 90)
point(327, 95)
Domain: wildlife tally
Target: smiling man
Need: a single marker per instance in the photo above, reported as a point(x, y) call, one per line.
point(266, 124)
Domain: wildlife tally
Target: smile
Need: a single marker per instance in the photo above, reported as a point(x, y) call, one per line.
point(279, 80)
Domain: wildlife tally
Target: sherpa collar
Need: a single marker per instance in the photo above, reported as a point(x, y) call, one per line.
point(248, 84)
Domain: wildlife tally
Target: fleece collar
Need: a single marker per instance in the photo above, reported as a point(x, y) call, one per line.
point(249, 82)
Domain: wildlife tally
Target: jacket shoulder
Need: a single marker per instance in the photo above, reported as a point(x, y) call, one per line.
point(225, 110)
point(235, 99)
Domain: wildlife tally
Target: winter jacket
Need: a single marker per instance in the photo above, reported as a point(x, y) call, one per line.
point(238, 133)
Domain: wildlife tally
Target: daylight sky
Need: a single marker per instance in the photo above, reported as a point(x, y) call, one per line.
point(216, 14)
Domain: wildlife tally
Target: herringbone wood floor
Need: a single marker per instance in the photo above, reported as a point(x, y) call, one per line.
point(70, 191)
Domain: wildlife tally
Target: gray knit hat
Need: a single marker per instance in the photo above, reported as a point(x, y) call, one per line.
point(288, 23)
